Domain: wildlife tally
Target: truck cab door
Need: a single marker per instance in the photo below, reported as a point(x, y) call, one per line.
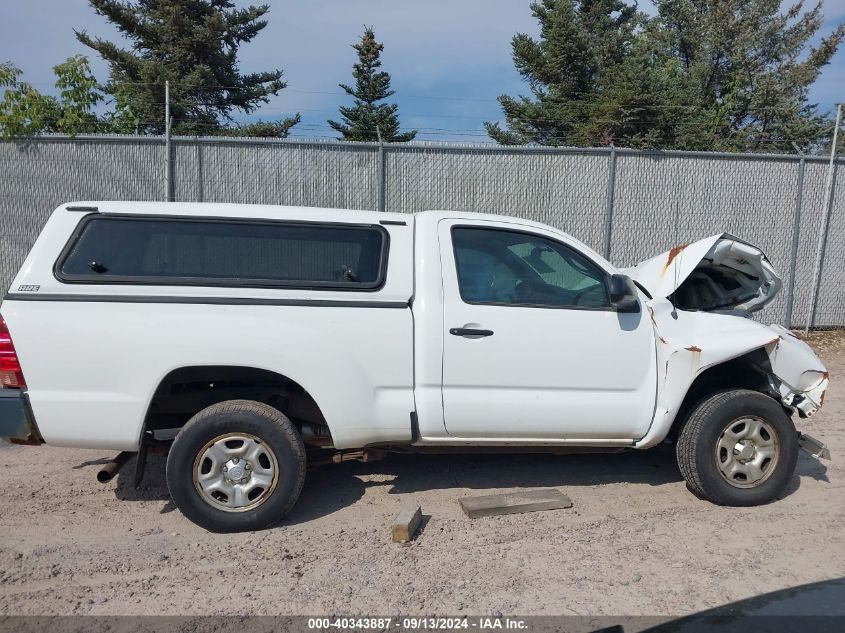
point(533, 349)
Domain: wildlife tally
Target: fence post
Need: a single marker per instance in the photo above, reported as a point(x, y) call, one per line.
point(828, 204)
point(381, 184)
point(611, 188)
point(200, 173)
point(796, 233)
point(168, 149)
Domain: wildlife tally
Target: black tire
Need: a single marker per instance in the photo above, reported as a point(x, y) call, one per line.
point(699, 438)
point(272, 430)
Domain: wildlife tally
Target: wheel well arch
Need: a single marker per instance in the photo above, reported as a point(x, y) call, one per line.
point(749, 371)
point(185, 391)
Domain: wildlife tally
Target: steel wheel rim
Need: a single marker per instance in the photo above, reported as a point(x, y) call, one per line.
point(235, 472)
point(747, 452)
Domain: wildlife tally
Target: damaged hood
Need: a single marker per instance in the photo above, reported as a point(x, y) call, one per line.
point(718, 273)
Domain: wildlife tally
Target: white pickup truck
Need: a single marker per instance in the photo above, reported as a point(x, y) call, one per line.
point(254, 334)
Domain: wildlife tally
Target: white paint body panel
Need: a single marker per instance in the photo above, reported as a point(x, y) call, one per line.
point(92, 368)
point(548, 376)
point(689, 343)
point(542, 373)
point(92, 385)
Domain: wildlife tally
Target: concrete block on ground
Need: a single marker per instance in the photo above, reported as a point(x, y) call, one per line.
point(515, 503)
point(406, 524)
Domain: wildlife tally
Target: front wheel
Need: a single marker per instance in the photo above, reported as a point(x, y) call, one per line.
point(236, 466)
point(737, 448)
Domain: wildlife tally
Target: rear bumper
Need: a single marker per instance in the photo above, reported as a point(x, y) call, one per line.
point(17, 424)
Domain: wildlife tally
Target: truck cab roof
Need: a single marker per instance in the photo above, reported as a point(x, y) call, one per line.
point(283, 212)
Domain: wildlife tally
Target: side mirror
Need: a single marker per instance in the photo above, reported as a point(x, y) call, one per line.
point(623, 294)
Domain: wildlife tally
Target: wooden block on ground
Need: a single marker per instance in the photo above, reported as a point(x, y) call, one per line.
point(514, 503)
point(406, 524)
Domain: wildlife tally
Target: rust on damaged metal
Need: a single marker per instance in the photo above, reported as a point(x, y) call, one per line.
point(673, 253)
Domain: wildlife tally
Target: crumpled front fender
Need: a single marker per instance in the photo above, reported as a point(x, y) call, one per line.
point(799, 376)
point(688, 343)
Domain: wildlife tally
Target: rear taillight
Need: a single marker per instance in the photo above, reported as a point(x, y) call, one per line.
point(10, 368)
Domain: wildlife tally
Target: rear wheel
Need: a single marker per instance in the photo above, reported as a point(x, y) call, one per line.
point(236, 466)
point(737, 448)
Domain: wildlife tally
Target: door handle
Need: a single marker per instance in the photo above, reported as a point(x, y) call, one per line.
point(468, 331)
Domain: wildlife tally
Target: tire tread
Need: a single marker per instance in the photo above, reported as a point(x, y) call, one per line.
point(688, 443)
point(269, 414)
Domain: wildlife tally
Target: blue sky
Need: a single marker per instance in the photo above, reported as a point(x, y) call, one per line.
point(449, 58)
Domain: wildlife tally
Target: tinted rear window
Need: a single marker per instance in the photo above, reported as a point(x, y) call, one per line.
point(202, 252)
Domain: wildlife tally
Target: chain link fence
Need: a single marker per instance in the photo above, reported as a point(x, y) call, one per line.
point(626, 204)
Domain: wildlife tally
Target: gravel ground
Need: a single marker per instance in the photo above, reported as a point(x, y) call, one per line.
point(636, 541)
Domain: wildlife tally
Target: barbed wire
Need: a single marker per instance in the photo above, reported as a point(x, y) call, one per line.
point(478, 133)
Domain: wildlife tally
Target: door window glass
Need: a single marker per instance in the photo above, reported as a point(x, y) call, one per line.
point(513, 268)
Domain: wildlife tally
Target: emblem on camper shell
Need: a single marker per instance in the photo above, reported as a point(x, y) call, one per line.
point(29, 288)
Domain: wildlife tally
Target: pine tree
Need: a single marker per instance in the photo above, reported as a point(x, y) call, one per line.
point(194, 44)
point(581, 43)
point(729, 75)
point(369, 120)
point(748, 68)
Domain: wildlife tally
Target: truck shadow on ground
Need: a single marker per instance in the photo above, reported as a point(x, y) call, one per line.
point(334, 487)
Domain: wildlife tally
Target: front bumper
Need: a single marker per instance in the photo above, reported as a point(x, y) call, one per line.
point(17, 424)
point(799, 376)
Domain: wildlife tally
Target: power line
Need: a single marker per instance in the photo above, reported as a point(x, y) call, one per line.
point(403, 96)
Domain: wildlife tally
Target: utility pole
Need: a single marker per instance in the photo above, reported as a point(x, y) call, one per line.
point(828, 203)
point(168, 162)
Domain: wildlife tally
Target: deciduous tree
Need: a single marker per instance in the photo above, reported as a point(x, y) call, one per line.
point(24, 111)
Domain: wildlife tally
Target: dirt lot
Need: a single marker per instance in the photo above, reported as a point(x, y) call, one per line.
point(636, 542)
